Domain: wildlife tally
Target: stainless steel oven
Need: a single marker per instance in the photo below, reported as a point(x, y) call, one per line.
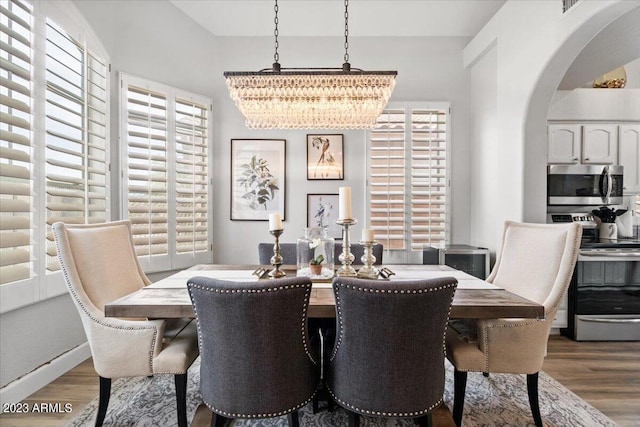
point(604, 296)
point(584, 185)
point(603, 301)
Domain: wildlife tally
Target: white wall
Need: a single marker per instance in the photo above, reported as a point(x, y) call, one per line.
point(429, 69)
point(535, 45)
point(484, 191)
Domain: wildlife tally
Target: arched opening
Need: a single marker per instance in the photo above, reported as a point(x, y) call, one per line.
point(595, 48)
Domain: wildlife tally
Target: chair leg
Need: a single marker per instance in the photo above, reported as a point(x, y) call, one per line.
point(459, 387)
point(292, 419)
point(103, 401)
point(425, 420)
point(218, 420)
point(354, 419)
point(181, 398)
point(532, 390)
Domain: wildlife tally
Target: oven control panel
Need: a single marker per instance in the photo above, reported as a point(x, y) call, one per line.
point(586, 220)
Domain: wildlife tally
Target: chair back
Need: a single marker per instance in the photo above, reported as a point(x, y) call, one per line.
point(287, 251)
point(536, 261)
point(98, 262)
point(256, 360)
point(388, 358)
point(358, 250)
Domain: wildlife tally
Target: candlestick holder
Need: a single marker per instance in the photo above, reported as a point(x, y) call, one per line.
point(276, 259)
point(368, 271)
point(346, 257)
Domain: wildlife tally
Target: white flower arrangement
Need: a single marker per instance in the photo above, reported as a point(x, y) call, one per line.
point(314, 243)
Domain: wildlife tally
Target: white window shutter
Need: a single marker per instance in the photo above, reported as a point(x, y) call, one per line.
point(428, 177)
point(387, 168)
point(16, 142)
point(76, 152)
point(408, 178)
point(165, 164)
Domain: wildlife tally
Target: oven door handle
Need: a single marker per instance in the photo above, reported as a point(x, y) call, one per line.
point(606, 320)
point(612, 254)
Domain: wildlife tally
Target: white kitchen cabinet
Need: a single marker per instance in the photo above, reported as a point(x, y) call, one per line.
point(629, 157)
point(565, 142)
point(600, 144)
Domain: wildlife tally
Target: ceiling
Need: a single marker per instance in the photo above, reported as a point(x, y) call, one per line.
point(432, 18)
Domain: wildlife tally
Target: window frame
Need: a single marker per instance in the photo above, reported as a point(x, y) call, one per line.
point(409, 255)
point(173, 260)
point(42, 285)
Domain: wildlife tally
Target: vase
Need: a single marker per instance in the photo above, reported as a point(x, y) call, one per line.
point(608, 232)
point(315, 242)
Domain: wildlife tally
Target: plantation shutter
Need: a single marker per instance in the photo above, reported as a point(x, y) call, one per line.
point(387, 179)
point(147, 203)
point(75, 111)
point(16, 145)
point(191, 176)
point(428, 178)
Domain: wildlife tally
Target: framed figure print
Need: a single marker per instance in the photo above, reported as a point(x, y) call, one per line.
point(257, 178)
point(322, 211)
point(325, 158)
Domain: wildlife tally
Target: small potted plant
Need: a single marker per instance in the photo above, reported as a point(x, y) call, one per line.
point(315, 265)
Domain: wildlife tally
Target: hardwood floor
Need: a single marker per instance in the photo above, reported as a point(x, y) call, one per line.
point(605, 374)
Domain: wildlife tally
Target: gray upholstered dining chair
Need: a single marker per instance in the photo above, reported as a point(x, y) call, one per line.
point(358, 250)
point(536, 261)
point(256, 358)
point(99, 265)
point(388, 356)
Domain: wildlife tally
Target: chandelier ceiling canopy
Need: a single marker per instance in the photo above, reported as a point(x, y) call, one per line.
point(311, 98)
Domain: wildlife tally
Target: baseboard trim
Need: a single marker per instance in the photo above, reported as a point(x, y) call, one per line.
point(28, 384)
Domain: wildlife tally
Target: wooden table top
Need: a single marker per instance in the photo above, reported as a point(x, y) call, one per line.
point(469, 302)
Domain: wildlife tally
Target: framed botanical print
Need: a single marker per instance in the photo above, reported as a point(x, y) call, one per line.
point(257, 178)
point(325, 157)
point(322, 211)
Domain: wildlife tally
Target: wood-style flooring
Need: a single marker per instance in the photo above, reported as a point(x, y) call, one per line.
point(605, 374)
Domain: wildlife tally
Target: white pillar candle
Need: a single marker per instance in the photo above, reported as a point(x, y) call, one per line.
point(367, 235)
point(275, 221)
point(344, 203)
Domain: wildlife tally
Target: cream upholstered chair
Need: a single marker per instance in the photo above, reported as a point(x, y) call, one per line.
point(99, 265)
point(536, 261)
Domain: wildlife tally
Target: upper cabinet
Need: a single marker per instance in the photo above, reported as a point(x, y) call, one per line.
point(565, 142)
point(583, 144)
point(629, 157)
point(600, 144)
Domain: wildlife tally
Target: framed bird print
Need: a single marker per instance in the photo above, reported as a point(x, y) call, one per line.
point(322, 212)
point(325, 157)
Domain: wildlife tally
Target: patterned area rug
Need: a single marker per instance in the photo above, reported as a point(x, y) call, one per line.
point(500, 400)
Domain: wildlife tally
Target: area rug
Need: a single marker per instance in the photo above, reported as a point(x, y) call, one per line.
point(499, 400)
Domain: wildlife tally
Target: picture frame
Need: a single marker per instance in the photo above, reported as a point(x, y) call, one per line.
point(322, 210)
point(325, 156)
point(258, 170)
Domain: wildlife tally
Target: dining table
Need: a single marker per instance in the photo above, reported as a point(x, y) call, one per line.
point(474, 298)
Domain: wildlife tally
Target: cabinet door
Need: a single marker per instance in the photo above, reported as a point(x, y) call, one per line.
point(600, 144)
point(629, 149)
point(564, 143)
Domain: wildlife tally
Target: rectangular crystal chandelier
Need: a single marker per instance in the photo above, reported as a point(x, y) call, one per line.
point(308, 98)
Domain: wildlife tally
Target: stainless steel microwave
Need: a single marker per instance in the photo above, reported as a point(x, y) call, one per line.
point(590, 185)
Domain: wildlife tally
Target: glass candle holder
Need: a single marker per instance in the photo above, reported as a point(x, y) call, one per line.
point(315, 254)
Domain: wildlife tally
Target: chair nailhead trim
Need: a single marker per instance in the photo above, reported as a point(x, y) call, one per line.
point(262, 415)
point(385, 291)
point(67, 279)
point(382, 413)
point(305, 305)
